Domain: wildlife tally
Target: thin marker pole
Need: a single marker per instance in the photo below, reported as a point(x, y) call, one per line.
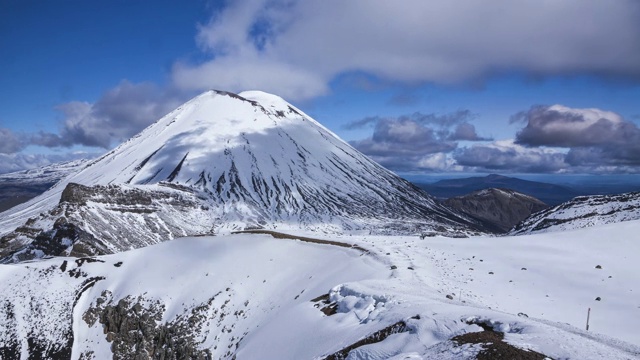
point(588, 313)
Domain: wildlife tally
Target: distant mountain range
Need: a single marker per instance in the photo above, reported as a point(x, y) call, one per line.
point(550, 194)
point(20, 186)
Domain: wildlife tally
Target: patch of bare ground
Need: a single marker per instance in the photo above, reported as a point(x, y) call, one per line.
point(279, 235)
point(325, 305)
point(494, 346)
point(376, 337)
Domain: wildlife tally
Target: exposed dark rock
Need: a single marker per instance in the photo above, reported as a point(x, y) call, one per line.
point(135, 330)
point(376, 337)
point(325, 305)
point(494, 346)
point(56, 241)
point(176, 171)
point(96, 220)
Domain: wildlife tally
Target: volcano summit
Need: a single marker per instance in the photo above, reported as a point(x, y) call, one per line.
point(221, 162)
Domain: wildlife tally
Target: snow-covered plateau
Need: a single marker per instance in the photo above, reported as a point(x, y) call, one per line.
point(254, 296)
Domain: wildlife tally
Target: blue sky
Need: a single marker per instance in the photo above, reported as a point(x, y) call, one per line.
point(423, 87)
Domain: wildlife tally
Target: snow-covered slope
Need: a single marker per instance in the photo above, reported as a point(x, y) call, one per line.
point(253, 296)
point(581, 212)
point(248, 160)
point(109, 219)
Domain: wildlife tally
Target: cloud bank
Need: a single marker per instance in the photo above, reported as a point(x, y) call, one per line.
point(594, 137)
point(298, 48)
point(417, 141)
point(119, 114)
point(553, 139)
point(295, 48)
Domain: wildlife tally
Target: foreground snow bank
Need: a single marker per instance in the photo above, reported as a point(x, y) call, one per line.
point(253, 296)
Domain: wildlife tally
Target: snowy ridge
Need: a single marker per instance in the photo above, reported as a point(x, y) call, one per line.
point(252, 160)
point(581, 212)
point(46, 174)
point(245, 297)
point(109, 219)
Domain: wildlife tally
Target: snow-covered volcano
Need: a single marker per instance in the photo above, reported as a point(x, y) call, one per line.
point(241, 161)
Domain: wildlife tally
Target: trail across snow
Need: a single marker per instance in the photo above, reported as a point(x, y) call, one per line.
point(551, 280)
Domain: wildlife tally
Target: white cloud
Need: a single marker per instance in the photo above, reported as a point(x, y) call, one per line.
point(295, 48)
point(507, 156)
point(593, 136)
point(251, 73)
point(442, 162)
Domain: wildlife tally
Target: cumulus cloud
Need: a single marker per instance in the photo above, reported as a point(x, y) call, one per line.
point(119, 114)
point(439, 120)
point(402, 137)
point(295, 48)
point(10, 142)
point(553, 139)
point(593, 136)
point(507, 156)
point(466, 132)
point(415, 141)
point(436, 162)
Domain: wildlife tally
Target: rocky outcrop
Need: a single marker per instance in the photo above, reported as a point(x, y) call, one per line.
point(498, 209)
point(135, 330)
point(97, 220)
point(49, 333)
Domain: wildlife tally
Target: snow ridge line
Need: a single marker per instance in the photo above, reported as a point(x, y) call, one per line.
point(279, 235)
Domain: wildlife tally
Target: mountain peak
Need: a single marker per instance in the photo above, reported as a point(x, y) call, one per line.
point(249, 160)
point(261, 96)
